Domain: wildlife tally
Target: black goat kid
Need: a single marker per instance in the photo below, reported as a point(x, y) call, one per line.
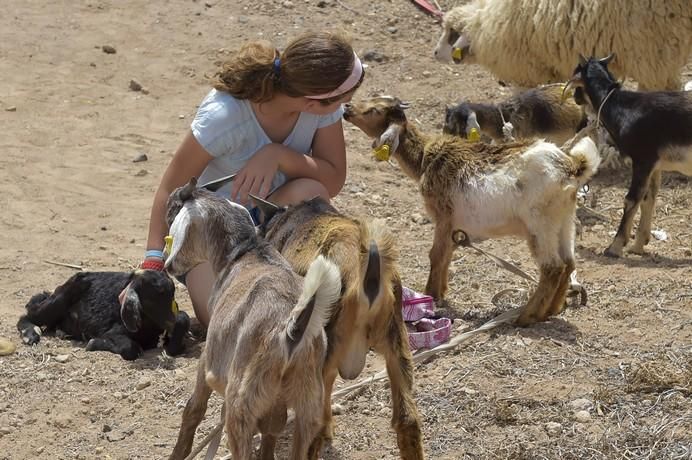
point(654, 129)
point(86, 307)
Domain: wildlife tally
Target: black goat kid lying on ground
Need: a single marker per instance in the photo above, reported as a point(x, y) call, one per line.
point(654, 129)
point(86, 307)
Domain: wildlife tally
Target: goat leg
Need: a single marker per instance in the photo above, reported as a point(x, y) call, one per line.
point(174, 341)
point(194, 411)
point(538, 306)
point(440, 258)
point(405, 419)
point(638, 187)
point(271, 426)
point(648, 208)
point(116, 341)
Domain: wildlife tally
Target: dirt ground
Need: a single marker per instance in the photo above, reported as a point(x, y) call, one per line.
point(609, 380)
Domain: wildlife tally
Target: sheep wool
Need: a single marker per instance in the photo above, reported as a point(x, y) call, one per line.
point(532, 42)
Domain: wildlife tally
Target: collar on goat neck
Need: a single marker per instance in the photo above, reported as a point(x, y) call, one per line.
point(605, 99)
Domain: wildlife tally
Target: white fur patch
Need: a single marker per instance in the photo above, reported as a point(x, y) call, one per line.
point(677, 158)
point(239, 206)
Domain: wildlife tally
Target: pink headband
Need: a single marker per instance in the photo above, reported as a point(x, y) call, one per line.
point(348, 84)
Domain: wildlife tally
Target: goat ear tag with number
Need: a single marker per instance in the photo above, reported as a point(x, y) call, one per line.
point(473, 135)
point(457, 54)
point(174, 307)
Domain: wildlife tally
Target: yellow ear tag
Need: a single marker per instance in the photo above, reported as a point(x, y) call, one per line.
point(174, 307)
point(474, 135)
point(566, 94)
point(457, 53)
point(382, 153)
point(169, 244)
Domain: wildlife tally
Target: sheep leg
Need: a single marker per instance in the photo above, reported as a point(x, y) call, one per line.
point(174, 341)
point(638, 187)
point(194, 411)
point(648, 208)
point(116, 341)
point(440, 258)
point(405, 419)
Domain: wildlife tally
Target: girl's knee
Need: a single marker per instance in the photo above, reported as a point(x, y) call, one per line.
point(298, 190)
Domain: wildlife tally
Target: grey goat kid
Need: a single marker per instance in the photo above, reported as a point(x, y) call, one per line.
point(265, 343)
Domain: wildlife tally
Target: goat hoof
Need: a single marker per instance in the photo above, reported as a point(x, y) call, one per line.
point(637, 249)
point(525, 321)
point(612, 253)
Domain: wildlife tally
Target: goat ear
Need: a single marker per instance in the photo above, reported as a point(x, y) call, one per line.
point(214, 185)
point(178, 232)
point(131, 310)
point(186, 191)
point(268, 208)
point(607, 59)
point(582, 59)
point(389, 137)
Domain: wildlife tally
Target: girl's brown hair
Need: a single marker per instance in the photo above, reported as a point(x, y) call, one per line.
point(314, 63)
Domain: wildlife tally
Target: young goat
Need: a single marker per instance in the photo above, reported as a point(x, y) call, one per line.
point(368, 314)
point(654, 129)
point(537, 112)
point(265, 343)
point(525, 189)
point(87, 307)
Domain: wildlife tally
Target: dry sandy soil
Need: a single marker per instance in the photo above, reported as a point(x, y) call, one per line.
point(70, 193)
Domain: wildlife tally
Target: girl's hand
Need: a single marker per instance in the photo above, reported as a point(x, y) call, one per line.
point(256, 176)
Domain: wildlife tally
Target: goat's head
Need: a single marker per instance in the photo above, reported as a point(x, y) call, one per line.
point(379, 117)
point(588, 70)
point(461, 120)
point(203, 224)
point(150, 295)
point(454, 44)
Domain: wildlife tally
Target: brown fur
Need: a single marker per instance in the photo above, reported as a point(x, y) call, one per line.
point(254, 355)
point(314, 227)
point(449, 168)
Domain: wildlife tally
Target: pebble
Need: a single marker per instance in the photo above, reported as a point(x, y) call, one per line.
point(392, 30)
point(11, 108)
point(582, 416)
point(62, 358)
point(581, 404)
point(40, 450)
point(373, 55)
point(427, 73)
point(337, 409)
point(118, 395)
point(85, 400)
point(140, 157)
point(108, 49)
point(6, 430)
point(287, 4)
point(143, 383)
point(243, 19)
point(135, 85)
point(141, 173)
point(553, 428)
point(99, 450)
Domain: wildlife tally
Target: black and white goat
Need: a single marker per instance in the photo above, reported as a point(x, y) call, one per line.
point(87, 307)
point(536, 112)
point(654, 129)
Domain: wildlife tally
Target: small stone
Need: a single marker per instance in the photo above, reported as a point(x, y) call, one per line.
point(118, 395)
point(181, 117)
point(337, 409)
point(104, 228)
point(108, 49)
point(39, 450)
point(688, 252)
point(6, 430)
point(99, 450)
point(139, 158)
point(392, 30)
point(243, 19)
point(143, 383)
point(553, 428)
point(114, 436)
point(287, 4)
point(581, 404)
point(427, 73)
point(62, 358)
point(582, 416)
point(106, 428)
point(135, 85)
point(373, 55)
point(85, 400)
point(141, 173)
point(11, 108)
point(322, 4)
point(208, 5)
point(469, 391)
point(132, 241)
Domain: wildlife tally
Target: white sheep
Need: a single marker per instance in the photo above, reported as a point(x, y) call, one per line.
point(532, 42)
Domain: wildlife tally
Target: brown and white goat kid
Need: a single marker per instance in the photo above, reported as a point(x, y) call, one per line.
point(265, 343)
point(525, 189)
point(368, 314)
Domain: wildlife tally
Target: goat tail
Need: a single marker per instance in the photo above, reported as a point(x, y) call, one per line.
point(377, 257)
point(585, 158)
point(321, 289)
